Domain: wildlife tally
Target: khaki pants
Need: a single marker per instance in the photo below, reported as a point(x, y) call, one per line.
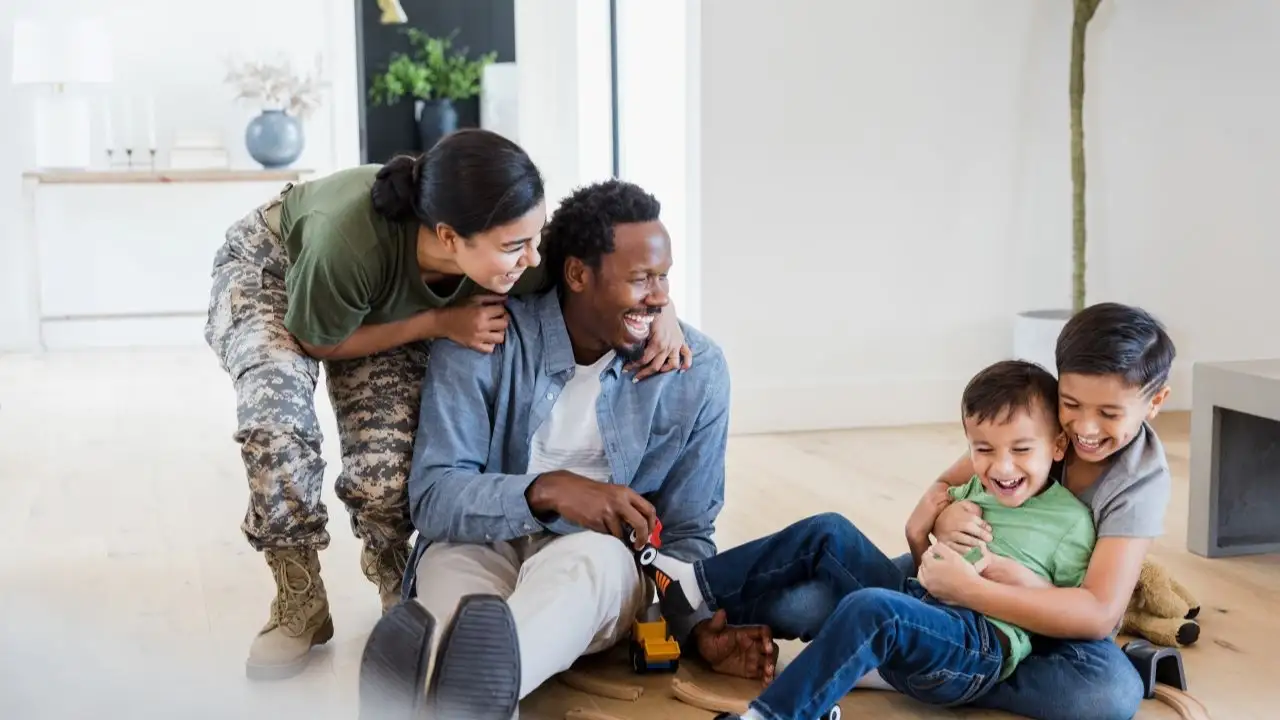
point(571, 595)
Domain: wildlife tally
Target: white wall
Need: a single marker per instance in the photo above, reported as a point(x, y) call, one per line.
point(885, 185)
point(658, 120)
point(566, 114)
point(157, 53)
point(1186, 134)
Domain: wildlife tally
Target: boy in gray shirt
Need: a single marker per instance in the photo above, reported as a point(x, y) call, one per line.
point(1113, 365)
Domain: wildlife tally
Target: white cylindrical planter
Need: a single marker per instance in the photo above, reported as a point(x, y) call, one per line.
point(1035, 336)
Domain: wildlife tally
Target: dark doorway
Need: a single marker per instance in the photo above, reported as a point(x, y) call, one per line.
point(482, 26)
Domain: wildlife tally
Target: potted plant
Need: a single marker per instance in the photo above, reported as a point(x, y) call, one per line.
point(1035, 333)
point(274, 137)
point(435, 78)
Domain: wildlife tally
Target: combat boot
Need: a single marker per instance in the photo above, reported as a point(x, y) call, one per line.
point(299, 618)
point(385, 568)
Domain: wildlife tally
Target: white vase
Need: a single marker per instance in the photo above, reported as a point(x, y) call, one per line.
point(1035, 336)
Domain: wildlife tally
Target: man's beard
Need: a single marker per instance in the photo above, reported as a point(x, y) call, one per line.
point(630, 353)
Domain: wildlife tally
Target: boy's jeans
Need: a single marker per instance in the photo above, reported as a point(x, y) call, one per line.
point(936, 654)
point(1059, 680)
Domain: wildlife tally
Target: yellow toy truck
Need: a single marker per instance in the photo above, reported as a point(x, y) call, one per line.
point(652, 649)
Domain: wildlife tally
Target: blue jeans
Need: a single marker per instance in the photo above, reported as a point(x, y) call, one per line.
point(1059, 680)
point(934, 653)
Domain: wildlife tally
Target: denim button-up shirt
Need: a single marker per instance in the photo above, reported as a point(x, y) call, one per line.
point(664, 436)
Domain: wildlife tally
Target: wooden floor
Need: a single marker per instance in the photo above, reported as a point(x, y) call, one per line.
point(126, 587)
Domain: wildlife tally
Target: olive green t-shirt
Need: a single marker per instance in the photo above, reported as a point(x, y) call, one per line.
point(351, 266)
point(1051, 533)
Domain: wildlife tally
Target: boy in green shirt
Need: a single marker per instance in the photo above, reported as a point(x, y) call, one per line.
point(937, 653)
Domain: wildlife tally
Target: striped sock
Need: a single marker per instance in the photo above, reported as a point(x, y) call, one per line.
point(678, 592)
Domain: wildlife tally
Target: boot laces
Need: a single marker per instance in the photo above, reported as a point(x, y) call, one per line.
point(292, 592)
point(387, 566)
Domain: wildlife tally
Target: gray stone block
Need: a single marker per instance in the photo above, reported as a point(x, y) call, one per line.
point(1234, 499)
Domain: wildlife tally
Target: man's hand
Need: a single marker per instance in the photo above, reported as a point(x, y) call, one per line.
point(961, 526)
point(746, 651)
point(597, 506)
point(947, 575)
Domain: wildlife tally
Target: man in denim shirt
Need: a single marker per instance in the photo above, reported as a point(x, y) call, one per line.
point(541, 456)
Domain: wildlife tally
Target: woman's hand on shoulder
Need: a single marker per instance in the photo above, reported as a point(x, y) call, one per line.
point(666, 350)
point(479, 323)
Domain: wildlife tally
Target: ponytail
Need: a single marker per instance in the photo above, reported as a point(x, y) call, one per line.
point(472, 180)
point(395, 188)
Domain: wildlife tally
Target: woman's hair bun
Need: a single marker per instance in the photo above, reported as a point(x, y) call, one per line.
point(395, 187)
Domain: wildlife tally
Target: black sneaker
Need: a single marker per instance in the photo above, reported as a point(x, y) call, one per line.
point(393, 669)
point(477, 672)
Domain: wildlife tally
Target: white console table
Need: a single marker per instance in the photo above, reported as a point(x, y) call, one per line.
point(123, 258)
point(1234, 500)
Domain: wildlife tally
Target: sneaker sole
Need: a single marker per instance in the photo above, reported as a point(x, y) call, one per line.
point(477, 675)
point(393, 668)
point(283, 672)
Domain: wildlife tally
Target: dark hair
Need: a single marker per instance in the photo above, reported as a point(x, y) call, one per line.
point(471, 180)
point(582, 226)
point(1008, 386)
point(1115, 339)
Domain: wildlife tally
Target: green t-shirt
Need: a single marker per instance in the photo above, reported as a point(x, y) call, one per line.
point(1051, 533)
point(351, 267)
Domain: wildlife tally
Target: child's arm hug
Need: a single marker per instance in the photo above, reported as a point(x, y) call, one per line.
point(958, 524)
point(920, 524)
point(1005, 571)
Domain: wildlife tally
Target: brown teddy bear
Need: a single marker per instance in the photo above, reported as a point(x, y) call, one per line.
point(1161, 609)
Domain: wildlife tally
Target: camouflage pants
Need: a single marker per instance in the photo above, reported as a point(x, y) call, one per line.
point(375, 399)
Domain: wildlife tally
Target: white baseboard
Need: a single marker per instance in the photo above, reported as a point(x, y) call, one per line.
point(165, 331)
point(845, 404)
point(852, 403)
point(874, 402)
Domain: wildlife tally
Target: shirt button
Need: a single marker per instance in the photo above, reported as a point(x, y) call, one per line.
point(550, 395)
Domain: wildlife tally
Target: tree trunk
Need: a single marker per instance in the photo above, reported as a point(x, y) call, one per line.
point(1084, 10)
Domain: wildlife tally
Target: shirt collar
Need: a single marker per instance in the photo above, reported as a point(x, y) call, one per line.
point(555, 336)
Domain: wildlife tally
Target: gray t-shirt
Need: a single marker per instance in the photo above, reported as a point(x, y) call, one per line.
point(1130, 498)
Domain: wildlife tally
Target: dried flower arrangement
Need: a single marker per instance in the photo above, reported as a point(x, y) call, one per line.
point(275, 86)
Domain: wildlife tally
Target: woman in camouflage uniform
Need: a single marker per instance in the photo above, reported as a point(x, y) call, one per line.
point(357, 270)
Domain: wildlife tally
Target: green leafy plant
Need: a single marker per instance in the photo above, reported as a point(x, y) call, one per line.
point(1084, 11)
point(431, 72)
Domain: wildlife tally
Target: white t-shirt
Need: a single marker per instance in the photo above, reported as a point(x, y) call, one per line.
point(569, 439)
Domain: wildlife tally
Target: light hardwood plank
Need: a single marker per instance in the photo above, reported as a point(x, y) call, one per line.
point(123, 570)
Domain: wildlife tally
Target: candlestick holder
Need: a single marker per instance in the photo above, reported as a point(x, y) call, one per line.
point(116, 162)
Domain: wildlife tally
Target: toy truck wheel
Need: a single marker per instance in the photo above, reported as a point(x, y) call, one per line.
point(638, 663)
point(833, 714)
